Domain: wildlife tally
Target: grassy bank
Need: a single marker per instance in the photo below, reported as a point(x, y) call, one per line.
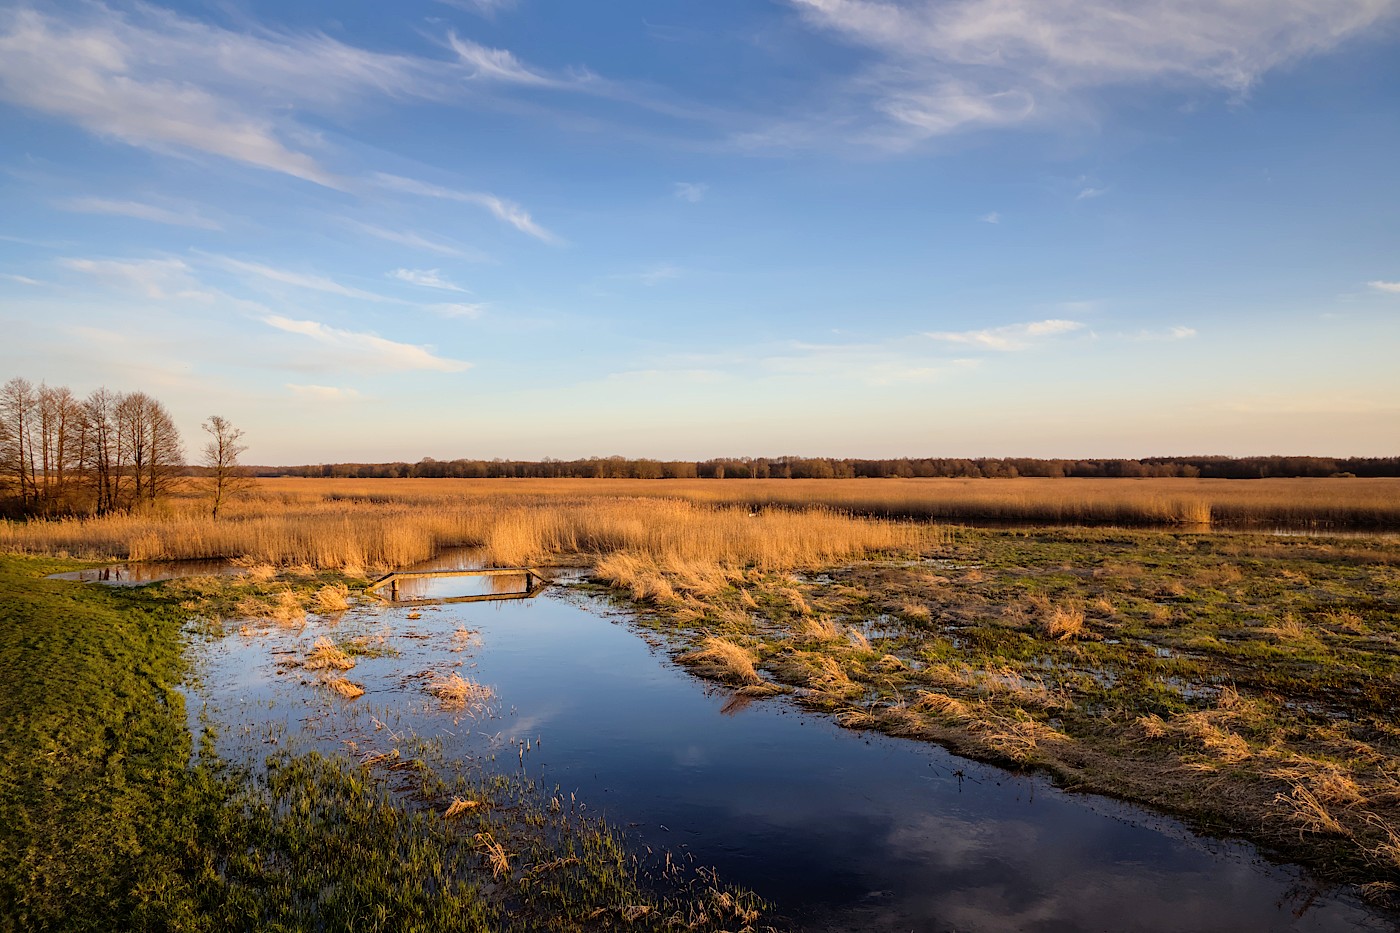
point(1248, 683)
point(110, 819)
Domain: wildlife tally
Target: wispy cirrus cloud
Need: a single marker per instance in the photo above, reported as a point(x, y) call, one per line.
point(500, 65)
point(307, 280)
point(691, 191)
point(418, 241)
point(459, 309)
point(507, 211)
point(359, 347)
point(935, 67)
point(426, 278)
point(160, 81)
point(140, 211)
point(1008, 337)
point(161, 279)
point(1393, 287)
point(323, 393)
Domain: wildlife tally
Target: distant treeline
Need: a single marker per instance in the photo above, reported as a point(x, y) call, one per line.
point(846, 468)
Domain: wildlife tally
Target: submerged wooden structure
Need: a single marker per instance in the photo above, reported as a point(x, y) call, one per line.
point(534, 584)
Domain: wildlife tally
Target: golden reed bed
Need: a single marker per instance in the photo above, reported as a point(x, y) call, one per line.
point(370, 524)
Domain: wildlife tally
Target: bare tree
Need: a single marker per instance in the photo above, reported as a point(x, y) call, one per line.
point(226, 478)
point(18, 404)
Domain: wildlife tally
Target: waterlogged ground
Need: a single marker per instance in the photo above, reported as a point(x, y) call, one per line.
point(839, 830)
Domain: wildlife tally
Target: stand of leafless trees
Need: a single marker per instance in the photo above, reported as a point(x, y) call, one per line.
point(60, 454)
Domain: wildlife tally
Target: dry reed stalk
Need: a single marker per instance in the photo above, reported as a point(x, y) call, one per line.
point(722, 660)
point(327, 656)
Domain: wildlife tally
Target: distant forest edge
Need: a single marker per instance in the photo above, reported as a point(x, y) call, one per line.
point(1204, 467)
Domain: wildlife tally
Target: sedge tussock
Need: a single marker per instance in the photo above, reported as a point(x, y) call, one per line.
point(722, 660)
point(455, 692)
point(326, 655)
point(346, 688)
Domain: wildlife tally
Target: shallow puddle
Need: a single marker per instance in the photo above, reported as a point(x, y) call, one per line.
point(143, 572)
point(840, 830)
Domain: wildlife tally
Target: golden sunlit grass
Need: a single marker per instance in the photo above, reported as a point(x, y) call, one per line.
point(455, 692)
point(346, 688)
point(327, 656)
point(722, 660)
point(357, 524)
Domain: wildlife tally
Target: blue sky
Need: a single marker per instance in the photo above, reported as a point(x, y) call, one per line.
point(523, 229)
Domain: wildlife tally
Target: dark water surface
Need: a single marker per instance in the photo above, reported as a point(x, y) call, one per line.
point(840, 830)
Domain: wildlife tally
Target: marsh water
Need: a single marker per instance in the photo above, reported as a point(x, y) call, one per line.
point(839, 830)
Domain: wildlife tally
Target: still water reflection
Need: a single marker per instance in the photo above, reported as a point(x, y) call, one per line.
point(842, 831)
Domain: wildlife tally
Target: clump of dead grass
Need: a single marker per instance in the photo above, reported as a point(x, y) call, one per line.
point(457, 693)
point(346, 688)
point(333, 597)
point(722, 660)
point(326, 655)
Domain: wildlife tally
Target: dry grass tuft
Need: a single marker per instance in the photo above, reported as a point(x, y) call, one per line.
point(346, 688)
point(1310, 813)
point(722, 660)
point(333, 597)
point(459, 807)
point(943, 706)
point(282, 607)
point(327, 656)
point(1063, 621)
point(496, 856)
point(457, 693)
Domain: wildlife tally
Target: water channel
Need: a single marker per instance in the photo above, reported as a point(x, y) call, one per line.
point(839, 830)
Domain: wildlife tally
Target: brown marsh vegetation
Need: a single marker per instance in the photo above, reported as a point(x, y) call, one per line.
point(1247, 682)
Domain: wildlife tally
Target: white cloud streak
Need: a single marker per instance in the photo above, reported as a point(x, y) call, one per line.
point(359, 347)
point(498, 65)
point(316, 283)
point(323, 393)
point(1009, 337)
point(139, 211)
point(459, 309)
point(418, 241)
point(426, 278)
point(160, 81)
point(1393, 287)
point(691, 191)
point(161, 279)
point(943, 66)
point(507, 211)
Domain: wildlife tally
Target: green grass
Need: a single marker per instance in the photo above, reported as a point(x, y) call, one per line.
point(98, 806)
point(110, 818)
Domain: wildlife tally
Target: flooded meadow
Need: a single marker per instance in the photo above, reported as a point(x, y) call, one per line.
point(835, 829)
